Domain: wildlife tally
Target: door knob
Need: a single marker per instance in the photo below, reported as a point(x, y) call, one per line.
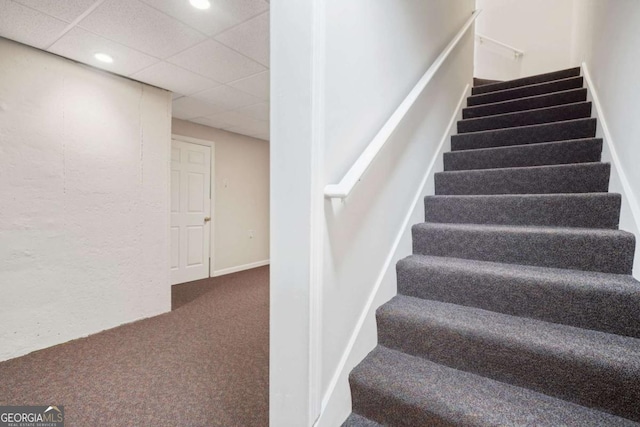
point(207, 218)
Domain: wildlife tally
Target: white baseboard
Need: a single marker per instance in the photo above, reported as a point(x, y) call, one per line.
point(350, 357)
point(619, 183)
point(237, 268)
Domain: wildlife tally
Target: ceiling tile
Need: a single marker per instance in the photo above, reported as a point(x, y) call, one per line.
point(213, 122)
point(221, 15)
point(250, 38)
point(256, 85)
point(188, 108)
point(216, 61)
point(236, 119)
point(256, 111)
point(67, 10)
point(226, 97)
point(173, 78)
point(137, 25)
point(81, 45)
point(28, 26)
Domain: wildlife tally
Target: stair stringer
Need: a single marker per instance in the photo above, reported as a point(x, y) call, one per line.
point(364, 336)
point(618, 181)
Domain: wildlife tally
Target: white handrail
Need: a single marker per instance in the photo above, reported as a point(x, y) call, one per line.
point(517, 53)
point(354, 175)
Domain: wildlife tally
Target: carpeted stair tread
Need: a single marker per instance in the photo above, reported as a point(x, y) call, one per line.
point(571, 178)
point(587, 367)
point(355, 420)
point(607, 251)
point(585, 150)
point(529, 103)
point(477, 81)
point(558, 113)
point(398, 389)
point(585, 299)
point(526, 81)
point(547, 132)
point(585, 210)
point(525, 91)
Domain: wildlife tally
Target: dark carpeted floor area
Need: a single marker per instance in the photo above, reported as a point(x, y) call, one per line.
point(204, 364)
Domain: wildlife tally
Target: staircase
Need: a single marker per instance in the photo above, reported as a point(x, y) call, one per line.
point(517, 307)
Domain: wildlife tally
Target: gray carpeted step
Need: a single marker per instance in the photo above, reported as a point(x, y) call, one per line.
point(591, 300)
point(540, 154)
point(397, 389)
point(606, 251)
point(526, 81)
point(525, 91)
point(356, 420)
point(586, 367)
point(586, 210)
point(558, 113)
point(481, 82)
point(529, 103)
point(572, 178)
point(548, 132)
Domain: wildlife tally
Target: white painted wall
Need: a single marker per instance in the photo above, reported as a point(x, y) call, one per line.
point(84, 214)
point(355, 62)
point(541, 28)
point(607, 40)
point(241, 196)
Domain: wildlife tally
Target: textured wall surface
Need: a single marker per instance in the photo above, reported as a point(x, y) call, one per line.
point(84, 212)
point(241, 195)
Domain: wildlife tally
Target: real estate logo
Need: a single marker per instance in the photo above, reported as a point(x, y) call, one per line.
point(31, 416)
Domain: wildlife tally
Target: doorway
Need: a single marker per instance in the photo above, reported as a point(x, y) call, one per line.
point(191, 211)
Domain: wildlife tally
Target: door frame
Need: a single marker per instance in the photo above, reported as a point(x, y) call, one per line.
point(212, 187)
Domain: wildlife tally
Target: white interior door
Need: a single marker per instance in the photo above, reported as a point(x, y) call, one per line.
point(190, 211)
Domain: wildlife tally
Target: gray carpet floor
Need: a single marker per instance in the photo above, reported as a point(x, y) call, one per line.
point(203, 364)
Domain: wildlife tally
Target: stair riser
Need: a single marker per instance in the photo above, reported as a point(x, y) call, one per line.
point(547, 77)
point(560, 131)
point(524, 104)
point(553, 153)
point(525, 296)
point(612, 254)
point(516, 364)
point(391, 410)
point(588, 211)
point(526, 91)
point(527, 118)
point(581, 178)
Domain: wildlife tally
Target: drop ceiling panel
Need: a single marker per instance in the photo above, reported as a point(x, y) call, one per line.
point(235, 119)
point(81, 45)
point(226, 97)
point(256, 85)
point(28, 26)
point(141, 27)
point(214, 122)
point(66, 10)
point(256, 111)
point(216, 61)
point(174, 78)
point(250, 38)
point(187, 108)
point(222, 14)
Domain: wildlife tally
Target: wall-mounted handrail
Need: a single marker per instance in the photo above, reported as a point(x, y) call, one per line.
point(354, 175)
point(517, 53)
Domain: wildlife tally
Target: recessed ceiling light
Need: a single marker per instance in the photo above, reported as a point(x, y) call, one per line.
point(103, 57)
point(200, 4)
